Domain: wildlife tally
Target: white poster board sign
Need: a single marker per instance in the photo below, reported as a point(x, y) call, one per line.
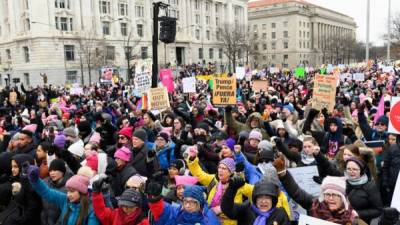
point(240, 72)
point(394, 117)
point(189, 85)
point(142, 82)
point(346, 76)
point(358, 77)
point(388, 69)
point(396, 195)
point(274, 70)
point(76, 90)
point(329, 69)
point(308, 220)
point(304, 178)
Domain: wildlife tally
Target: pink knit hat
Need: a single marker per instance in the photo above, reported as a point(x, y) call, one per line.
point(79, 183)
point(123, 153)
point(186, 180)
point(31, 128)
point(95, 138)
point(335, 185)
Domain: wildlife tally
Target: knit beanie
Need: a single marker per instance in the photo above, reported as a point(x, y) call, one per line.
point(230, 163)
point(195, 192)
point(137, 180)
point(123, 154)
point(59, 141)
point(126, 131)
point(77, 148)
point(289, 107)
point(79, 183)
point(255, 134)
point(204, 126)
point(336, 185)
point(130, 198)
point(383, 119)
point(265, 145)
point(141, 134)
point(58, 165)
point(265, 156)
point(185, 180)
point(230, 143)
point(92, 161)
point(360, 163)
point(164, 136)
point(95, 138)
point(70, 131)
point(86, 172)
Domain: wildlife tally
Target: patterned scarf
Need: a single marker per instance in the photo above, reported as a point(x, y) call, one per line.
point(321, 211)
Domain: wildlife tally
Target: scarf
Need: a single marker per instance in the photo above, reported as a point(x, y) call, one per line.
point(186, 218)
point(262, 217)
point(307, 160)
point(216, 201)
point(125, 219)
point(356, 181)
point(321, 211)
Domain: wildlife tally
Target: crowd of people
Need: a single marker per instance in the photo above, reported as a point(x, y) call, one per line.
point(101, 157)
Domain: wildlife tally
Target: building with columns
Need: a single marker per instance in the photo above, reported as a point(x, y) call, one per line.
point(293, 32)
point(69, 39)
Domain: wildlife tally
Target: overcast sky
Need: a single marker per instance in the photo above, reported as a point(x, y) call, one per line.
point(358, 10)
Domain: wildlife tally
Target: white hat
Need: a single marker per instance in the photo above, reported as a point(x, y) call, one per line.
point(77, 148)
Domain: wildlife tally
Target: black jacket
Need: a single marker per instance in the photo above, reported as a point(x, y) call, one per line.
point(391, 167)
point(118, 182)
point(366, 200)
point(141, 163)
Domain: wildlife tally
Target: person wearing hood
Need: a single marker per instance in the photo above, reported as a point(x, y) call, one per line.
point(262, 210)
point(305, 157)
point(164, 149)
point(194, 209)
point(390, 171)
point(86, 133)
point(122, 157)
point(253, 121)
point(25, 205)
point(129, 211)
point(25, 143)
point(56, 180)
point(362, 193)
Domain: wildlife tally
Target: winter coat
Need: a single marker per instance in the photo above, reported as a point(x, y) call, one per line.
point(211, 182)
point(50, 213)
point(61, 201)
point(165, 155)
point(167, 214)
point(365, 199)
point(29, 149)
point(292, 156)
point(369, 133)
point(391, 167)
point(238, 127)
point(140, 162)
point(109, 216)
point(244, 214)
point(119, 181)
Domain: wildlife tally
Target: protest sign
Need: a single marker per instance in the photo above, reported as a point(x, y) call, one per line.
point(189, 85)
point(324, 92)
point(388, 69)
point(274, 70)
point(346, 77)
point(142, 82)
point(396, 195)
point(224, 91)
point(299, 72)
point(240, 73)
point(394, 117)
point(106, 75)
point(75, 90)
point(329, 68)
point(304, 178)
point(167, 79)
point(358, 77)
point(260, 85)
point(308, 220)
point(158, 98)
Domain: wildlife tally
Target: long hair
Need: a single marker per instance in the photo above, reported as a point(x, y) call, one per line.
point(83, 213)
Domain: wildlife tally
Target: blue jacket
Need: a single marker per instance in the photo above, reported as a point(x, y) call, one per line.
point(165, 155)
point(61, 201)
point(251, 172)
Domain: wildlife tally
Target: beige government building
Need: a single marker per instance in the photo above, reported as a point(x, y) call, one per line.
point(292, 32)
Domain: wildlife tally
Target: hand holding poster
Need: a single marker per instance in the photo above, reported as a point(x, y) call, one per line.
point(189, 85)
point(260, 85)
point(308, 220)
point(324, 92)
point(158, 98)
point(304, 178)
point(394, 117)
point(224, 91)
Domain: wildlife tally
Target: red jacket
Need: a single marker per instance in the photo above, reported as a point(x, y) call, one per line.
point(108, 216)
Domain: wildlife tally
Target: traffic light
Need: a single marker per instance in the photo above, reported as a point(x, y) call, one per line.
point(167, 29)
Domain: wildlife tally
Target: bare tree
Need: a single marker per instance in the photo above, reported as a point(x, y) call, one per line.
point(91, 52)
point(253, 46)
point(129, 48)
point(395, 39)
point(233, 39)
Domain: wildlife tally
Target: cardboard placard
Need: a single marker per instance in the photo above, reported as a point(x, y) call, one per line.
point(346, 76)
point(189, 85)
point(304, 178)
point(224, 91)
point(324, 92)
point(142, 82)
point(394, 117)
point(308, 220)
point(358, 77)
point(158, 98)
point(259, 85)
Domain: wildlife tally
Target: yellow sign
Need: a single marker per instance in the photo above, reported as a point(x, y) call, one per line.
point(224, 92)
point(324, 92)
point(158, 98)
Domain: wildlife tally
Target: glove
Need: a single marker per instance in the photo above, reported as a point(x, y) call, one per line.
point(33, 173)
point(345, 101)
point(317, 179)
point(313, 113)
point(239, 167)
point(279, 164)
point(101, 185)
point(153, 190)
point(151, 155)
point(236, 182)
point(228, 109)
point(325, 112)
point(275, 140)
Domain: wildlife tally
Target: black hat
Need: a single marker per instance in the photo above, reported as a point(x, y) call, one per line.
point(360, 163)
point(141, 134)
point(265, 155)
point(203, 125)
point(164, 136)
point(58, 164)
point(130, 198)
point(264, 187)
point(84, 127)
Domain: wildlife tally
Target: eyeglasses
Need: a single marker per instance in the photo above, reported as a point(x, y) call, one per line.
point(189, 202)
point(352, 169)
point(331, 195)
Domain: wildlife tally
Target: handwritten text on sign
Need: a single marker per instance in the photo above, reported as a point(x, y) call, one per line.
point(324, 92)
point(158, 98)
point(224, 92)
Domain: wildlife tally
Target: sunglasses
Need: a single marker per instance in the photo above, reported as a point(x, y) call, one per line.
point(381, 124)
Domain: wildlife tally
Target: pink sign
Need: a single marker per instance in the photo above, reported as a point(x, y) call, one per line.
point(167, 79)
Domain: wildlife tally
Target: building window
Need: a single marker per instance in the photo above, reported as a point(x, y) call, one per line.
point(264, 26)
point(0, 31)
point(255, 36)
point(123, 9)
point(255, 27)
point(273, 57)
point(300, 44)
point(124, 29)
point(237, 11)
point(197, 19)
point(8, 53)
point(217, 21)
point(200, 53)
point(264, 57)
point(139, 11)
point(26, 79)
point(106, 28)
point(69, 51)
point(211, 53)
point(308, 34)
point(273, 35)
point(299, 33)
point(308, 44)
point(207, 20)
point(264, 46)
point(105, 7)
point(308, 25)
point(62, 4)
point(56, 22)
point(27, 24)
point(72, 77)
point(64, 23)
point(255, 47)
point(217, 35)
point(285, 23)
point(285, 45)
point(304, 24)
point(207, 6)
point(26, 54)
point(197, 34)
point(217, 6)
point(264, 35)
point(273, 45)
point(299, 23)
point(220, 52)
point(196, 4)
point(110, 53)
point(140, 30)
point(144, 52)
point(304, 33)
point(285, 34)
point(26, 4)
point(208, 35)
point(273, 25)
point(71, 26)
